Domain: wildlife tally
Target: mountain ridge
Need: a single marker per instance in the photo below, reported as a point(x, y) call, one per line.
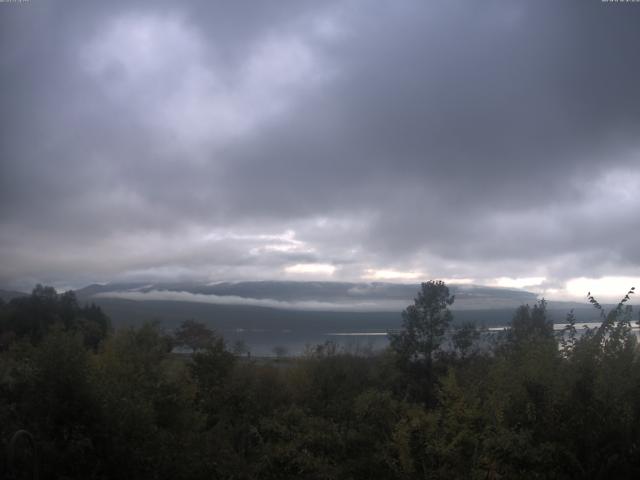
point(297, 292)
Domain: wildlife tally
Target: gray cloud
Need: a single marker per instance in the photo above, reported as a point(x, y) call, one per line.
point(230, 140)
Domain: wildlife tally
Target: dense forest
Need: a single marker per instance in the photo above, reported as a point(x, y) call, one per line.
point(79, 400)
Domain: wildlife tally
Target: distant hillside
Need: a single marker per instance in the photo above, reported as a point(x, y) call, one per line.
point(312, 306)
point(296, 314)
point(7, 295)
point(308, 295)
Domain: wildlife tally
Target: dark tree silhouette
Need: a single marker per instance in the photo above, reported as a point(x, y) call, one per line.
point(194, 335)
point(424, 323)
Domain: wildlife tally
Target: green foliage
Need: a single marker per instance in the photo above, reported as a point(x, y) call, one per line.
point(32, 317)
point(464, 338)
point(424, 323)
point(438, 404)
point(194, 335)
point(424, 326)
point(210, 369)
point(530, 324)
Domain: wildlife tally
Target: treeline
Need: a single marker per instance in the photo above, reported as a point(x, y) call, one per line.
point(438, 403)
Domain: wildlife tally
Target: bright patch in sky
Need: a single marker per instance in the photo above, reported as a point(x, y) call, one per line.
point(373, 274)
point(521, 282)
point(311, 268)
point(610, 288)
point(458, 281)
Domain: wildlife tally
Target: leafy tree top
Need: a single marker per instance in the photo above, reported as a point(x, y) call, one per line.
point(425, 322)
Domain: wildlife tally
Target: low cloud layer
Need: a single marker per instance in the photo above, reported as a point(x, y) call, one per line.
point(314, 296)
point(389, 305)
point(495, 143)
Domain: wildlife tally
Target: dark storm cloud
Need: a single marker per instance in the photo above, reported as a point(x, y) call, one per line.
point(232, 140)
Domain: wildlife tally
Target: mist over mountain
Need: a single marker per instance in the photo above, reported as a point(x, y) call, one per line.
point(272, 312)
point(264, 314)
point(339, 296)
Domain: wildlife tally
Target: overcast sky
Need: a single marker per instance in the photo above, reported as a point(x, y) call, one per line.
point(493, 142)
